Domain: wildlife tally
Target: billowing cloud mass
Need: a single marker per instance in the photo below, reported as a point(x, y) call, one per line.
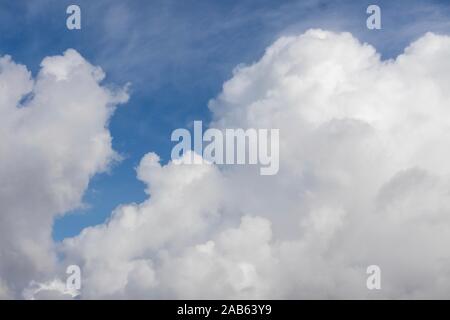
point(53, 139)
point(364, 179)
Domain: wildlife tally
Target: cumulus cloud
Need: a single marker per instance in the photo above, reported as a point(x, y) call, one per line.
point(118, 256)
point(53, 139)
point(363, 180)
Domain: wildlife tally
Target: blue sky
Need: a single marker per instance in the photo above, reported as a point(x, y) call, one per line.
point(176, 55)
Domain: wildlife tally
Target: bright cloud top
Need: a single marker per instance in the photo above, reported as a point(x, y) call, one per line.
point(363, 180)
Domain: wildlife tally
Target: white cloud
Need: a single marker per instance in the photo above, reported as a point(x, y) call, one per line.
point(363, 180)
point(53, 139)
point(184, 200)
point(52, 290)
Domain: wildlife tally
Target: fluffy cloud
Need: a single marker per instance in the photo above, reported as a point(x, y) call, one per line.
point(119, 255)
point(363, 180)
point(53, 139)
